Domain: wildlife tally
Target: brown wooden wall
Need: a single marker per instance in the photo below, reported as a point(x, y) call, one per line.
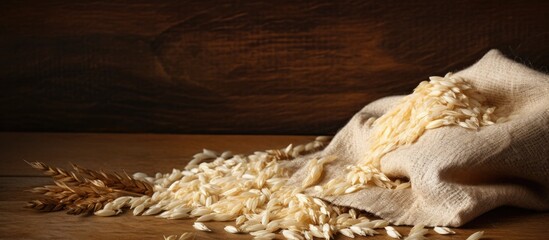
point(282, 67)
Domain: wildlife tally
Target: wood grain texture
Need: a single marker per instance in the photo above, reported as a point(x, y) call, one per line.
point(274, 67)
point(152, 153)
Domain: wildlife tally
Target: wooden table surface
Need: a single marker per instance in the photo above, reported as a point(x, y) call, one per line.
point(160, 153)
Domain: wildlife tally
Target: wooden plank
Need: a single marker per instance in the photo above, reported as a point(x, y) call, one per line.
point(154, 153)
point(281, 67)
point(503, 223)
point(149, 153)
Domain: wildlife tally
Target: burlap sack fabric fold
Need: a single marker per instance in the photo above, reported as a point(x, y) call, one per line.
point(456, 174)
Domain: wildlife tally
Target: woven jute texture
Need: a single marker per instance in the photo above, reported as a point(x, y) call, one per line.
point(457, 174)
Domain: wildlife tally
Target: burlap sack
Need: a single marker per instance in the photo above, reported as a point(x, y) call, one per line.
point(457, 174)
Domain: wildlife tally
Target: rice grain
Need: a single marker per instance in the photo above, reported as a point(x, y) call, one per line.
point(201, 227)
point(444, 230)
point(392, 232)
point(476, 236)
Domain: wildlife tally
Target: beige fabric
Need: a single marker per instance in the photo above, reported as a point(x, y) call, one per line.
point(457, 174)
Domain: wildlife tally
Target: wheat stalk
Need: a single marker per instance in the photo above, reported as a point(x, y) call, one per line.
point(116, 181)
point(83, 191)
point(57, 174)
point(46, 205)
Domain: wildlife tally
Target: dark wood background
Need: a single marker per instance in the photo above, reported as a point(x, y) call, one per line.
point(273, 67)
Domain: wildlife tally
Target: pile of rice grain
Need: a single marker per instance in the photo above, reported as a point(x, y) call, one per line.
point(442, 101)
point(252, 191)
